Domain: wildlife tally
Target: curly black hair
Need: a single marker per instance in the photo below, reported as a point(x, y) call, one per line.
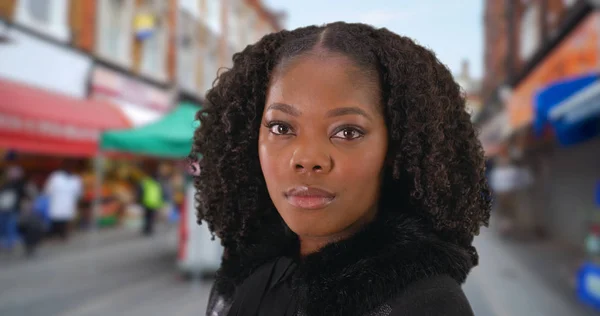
point(436, 160)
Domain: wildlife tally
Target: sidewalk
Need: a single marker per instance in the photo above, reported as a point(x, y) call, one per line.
point(526, 277)
point(79, 241)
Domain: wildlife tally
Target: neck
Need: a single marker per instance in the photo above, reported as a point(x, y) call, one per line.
point(312, 244)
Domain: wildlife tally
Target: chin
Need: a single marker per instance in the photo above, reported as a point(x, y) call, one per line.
point(310, 223)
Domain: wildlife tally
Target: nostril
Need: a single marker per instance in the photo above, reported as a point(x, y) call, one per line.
point(299, 166)
point(317, 168)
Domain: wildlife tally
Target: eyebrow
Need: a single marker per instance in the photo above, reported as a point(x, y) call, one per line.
point(285, 108)
point(293, 111)
point(347, 111)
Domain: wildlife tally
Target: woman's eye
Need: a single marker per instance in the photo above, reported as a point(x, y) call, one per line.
point(349, 134)
point(279, 129)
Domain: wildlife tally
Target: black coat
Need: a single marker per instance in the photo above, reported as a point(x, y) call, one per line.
point(395, 266)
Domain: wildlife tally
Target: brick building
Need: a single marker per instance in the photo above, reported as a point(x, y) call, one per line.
point(143, 55)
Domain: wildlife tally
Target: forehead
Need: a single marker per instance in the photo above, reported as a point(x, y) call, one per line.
point(324, 80)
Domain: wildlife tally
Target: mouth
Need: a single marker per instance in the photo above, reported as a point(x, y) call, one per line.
point(309, 198)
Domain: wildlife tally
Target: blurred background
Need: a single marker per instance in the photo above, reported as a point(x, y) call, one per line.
point(97, 103)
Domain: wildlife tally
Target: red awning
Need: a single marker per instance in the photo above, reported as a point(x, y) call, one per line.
point(39, 121)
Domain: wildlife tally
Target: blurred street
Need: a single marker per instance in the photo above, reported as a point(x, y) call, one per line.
point(96, 135)
point(120, 273)
point(512, 279)
point(134, 276)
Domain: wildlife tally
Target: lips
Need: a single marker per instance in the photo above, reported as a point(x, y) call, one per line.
point(309, 198)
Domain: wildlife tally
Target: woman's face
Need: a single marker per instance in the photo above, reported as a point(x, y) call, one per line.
point(322, 145)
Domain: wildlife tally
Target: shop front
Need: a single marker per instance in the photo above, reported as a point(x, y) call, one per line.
point(561, 98)
point(578, 54)
point(37, 121)
point(162, 145)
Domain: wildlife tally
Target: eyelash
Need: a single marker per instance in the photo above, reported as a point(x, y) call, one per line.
point(351, 128)
point(342, 128)
point(272, 124)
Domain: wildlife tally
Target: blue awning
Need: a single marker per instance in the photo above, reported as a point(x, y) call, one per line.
point(571, 107)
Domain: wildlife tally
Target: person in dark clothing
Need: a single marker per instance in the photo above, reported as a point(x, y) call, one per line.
point(342, 175)
point(32, 229)
point(12, 194)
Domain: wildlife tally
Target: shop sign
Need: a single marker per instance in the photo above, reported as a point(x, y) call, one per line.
point(22, 125)
point(108, 83)
point(578, 54)
point(144, 25)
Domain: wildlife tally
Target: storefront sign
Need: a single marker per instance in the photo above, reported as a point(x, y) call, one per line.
point(108, 83)
point(144, 25)
point(578, 54)
point(35, 127)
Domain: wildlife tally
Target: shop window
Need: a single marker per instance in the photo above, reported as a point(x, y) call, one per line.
point(187, 52)
point(248, 35)
point(40, 10)
point(235, 24)
point(530, 31)
point(213, 15)
point(210, 62)
point(154, 42)
point(47, 17)
point(114, 25)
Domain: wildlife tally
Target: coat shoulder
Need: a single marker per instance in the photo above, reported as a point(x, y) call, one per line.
point(439, 295)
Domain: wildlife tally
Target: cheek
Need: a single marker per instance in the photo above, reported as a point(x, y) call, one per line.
point(361, 172)
point(270, 158)
point(364, 167)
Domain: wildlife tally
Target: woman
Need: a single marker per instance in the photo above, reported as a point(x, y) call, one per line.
point(343, 176)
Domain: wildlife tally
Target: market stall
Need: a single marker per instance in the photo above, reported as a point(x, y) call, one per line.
point(171, 138)
point(40, 129)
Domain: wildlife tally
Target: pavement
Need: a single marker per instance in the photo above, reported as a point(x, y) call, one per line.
point(121, 273)
point(522, 278)
point(112, 273)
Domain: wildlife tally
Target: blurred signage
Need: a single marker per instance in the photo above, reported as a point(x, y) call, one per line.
point(30, 126)
point(108, 83)
point(144, 25)
point(577, 54)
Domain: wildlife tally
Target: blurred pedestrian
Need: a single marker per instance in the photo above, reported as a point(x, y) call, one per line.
point(12, 194)
point(150, 197)
point(63, 188)
point(503, 182)
point(31, 225)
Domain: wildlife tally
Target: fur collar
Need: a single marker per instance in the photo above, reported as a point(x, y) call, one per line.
point(359, 274)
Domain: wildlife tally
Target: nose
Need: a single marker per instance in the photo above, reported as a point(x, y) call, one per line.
point(311, 158)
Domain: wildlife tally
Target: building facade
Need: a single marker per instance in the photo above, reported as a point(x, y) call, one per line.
point(72, 69)
point(536, 52)
point(168, 45)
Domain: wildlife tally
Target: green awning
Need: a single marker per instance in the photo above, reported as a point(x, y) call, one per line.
point(170, 137)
